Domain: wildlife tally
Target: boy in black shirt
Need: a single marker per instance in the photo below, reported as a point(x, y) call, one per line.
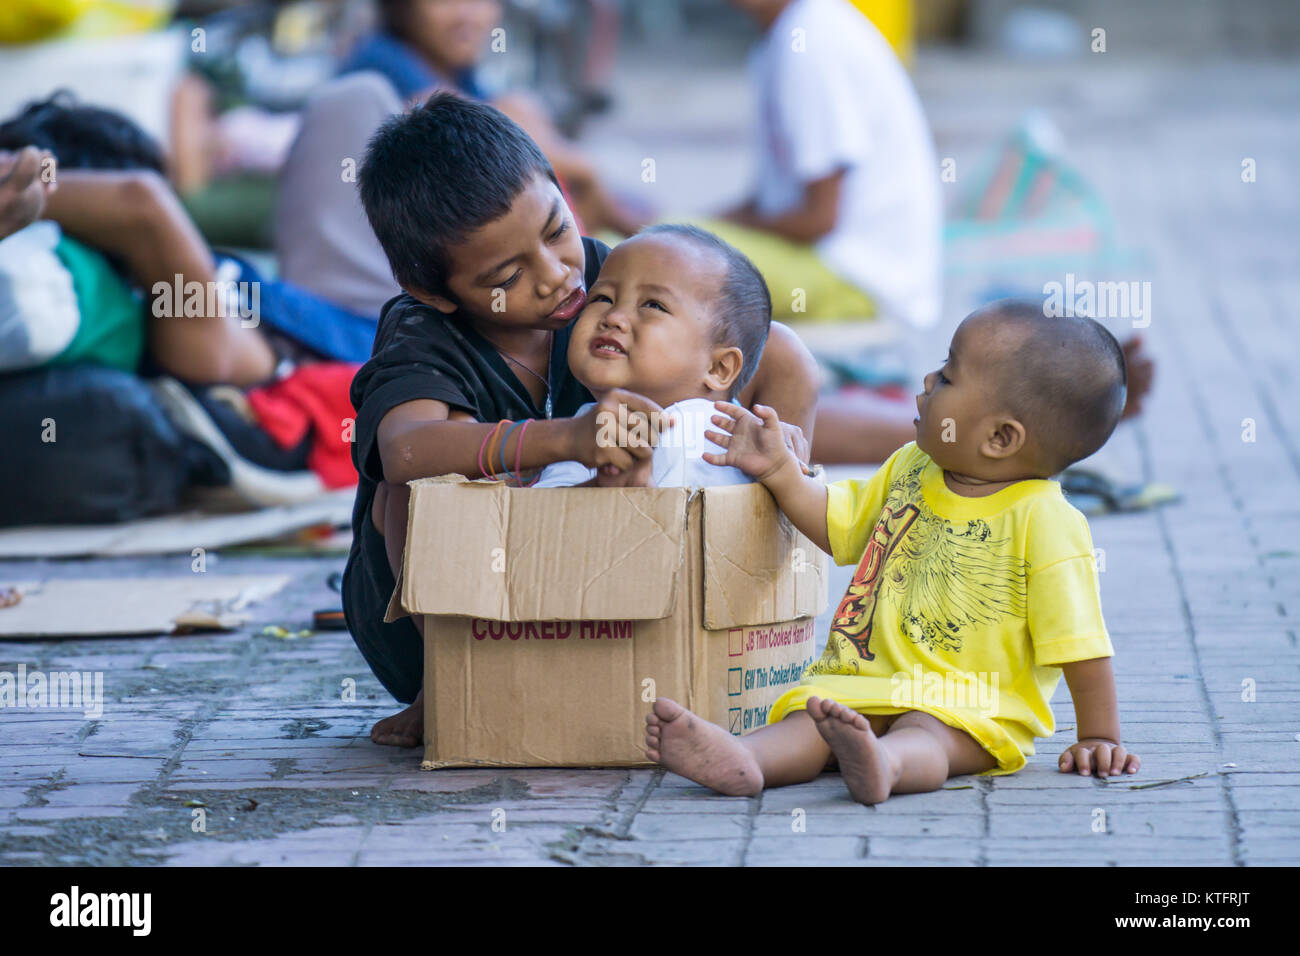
point(479, 236)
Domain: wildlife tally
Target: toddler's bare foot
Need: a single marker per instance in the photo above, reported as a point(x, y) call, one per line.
point(864, 765)
point(698, 750)
point(403, 729)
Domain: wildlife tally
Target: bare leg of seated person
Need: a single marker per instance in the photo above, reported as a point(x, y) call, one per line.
point(854, 429)
point(915, 753)
point(1141, 375)
point(876, 756)
point(777, 755)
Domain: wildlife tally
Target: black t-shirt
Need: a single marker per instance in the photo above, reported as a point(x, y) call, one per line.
point(421, 353)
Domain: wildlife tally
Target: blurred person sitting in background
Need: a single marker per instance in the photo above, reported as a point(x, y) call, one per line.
point(115, 209)
point(427, 45)
point(323, 242)
point(846, 205)
point(121, 229)
point(844, 220)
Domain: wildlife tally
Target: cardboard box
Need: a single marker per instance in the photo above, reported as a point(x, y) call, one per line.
point(554, 617)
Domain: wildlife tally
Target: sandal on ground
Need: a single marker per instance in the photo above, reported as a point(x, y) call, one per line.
point(1094, 493)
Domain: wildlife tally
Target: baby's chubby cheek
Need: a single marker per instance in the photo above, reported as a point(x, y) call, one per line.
point(599, 372)
point(924, 440)
point(935, 435)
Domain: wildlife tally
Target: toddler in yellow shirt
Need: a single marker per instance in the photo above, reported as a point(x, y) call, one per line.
point(975, 586)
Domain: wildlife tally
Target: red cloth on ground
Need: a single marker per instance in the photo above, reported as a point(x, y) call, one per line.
point(314, 397)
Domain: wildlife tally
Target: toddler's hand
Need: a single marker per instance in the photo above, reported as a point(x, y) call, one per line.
point(1102, 757)
point(797, 442)
point(754, 441)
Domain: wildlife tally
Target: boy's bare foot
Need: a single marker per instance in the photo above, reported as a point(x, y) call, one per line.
point(864, 765)
point(698, 750)
point(403, 729)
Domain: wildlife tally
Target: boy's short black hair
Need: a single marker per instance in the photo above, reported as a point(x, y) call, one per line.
point(1068, 381)
point(743, 314)
point(81, 136)
point(436, 173)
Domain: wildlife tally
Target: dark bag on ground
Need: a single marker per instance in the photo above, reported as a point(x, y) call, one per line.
point(86, 444)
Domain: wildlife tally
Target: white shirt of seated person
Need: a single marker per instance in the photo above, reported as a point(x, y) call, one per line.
point(839, 99)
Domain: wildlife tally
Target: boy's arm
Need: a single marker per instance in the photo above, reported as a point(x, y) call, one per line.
point(786, 380)
point(1096, 711)
point(424, 439)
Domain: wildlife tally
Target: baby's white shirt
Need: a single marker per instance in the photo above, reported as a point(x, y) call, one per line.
point(677, 461)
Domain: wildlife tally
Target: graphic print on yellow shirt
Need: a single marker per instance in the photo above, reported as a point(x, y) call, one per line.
point(962, 608)
point(944, 577)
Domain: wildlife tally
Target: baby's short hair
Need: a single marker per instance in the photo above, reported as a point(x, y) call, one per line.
point(743, 315)
point(1067, 381)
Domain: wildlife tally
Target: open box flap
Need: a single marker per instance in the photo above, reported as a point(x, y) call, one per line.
point(555, 554)
point(758, 568)
point(396, 610)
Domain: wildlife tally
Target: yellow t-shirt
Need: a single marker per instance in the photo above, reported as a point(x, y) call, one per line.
point(962, 608)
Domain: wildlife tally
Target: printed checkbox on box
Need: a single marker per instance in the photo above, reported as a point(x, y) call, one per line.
point(735, 642)
point(733, 720)
point(735, 682)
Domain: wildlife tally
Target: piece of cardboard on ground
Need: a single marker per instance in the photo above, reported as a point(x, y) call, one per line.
point(116, 607)
point(554, 617)
point(176, 533)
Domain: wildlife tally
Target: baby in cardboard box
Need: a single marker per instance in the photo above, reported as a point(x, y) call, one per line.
point(681, 317)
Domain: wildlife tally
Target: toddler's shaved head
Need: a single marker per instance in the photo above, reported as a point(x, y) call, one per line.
point(1064, 378)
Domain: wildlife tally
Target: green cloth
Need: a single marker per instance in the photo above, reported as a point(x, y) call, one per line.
point(113, 317)
point(234, 212)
